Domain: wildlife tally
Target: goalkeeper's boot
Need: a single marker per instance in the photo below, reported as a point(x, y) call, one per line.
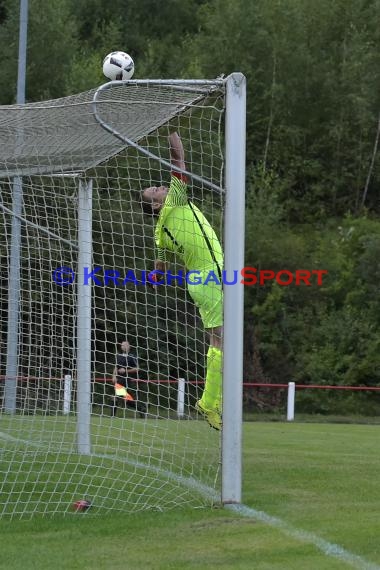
point(212, 416)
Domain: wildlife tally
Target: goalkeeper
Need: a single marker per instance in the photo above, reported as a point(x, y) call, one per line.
point(182, 228)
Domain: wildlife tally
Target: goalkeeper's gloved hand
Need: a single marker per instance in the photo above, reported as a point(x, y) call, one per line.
point(157, 276)
point(155, 279)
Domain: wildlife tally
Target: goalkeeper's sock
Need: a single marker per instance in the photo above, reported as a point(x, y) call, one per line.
point(212, 394)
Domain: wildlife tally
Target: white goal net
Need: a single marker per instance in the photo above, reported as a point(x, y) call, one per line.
point(100, 372)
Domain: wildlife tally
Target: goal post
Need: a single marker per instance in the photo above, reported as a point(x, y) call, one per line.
point(85, 252)
point(84, 317)
point(234, 225)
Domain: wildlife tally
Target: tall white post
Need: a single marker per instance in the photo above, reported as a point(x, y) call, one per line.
point(84, 318)
point(233, 294)
point(291, 400)
point(10, 389)
point(181, 398)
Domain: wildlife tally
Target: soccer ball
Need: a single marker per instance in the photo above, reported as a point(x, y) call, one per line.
point(118, 65)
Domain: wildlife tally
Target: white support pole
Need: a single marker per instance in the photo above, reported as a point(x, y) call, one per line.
point(233, 294)
point(84, 318)
point(291, 399)
point(181, 398)
point(66, 394)
point(11, 373)
point(10, 389)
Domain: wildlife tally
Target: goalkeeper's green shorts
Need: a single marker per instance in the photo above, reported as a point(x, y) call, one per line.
point(209, 300)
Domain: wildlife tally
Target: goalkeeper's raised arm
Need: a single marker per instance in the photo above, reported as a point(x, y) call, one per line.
point(157, 198)
point(182, 229)
point(177, 154)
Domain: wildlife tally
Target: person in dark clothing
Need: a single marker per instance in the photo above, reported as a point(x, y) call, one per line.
point(124, 380)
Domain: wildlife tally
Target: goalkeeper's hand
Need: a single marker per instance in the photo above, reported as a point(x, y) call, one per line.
point(155, 279)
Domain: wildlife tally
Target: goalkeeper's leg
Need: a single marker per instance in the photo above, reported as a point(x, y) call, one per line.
point(209, 300)
point(210, 405)
point(212, 393)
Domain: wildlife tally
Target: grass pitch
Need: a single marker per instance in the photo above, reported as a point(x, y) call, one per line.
point(319, 483)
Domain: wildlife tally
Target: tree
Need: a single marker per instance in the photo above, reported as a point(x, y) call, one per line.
point(52, 45)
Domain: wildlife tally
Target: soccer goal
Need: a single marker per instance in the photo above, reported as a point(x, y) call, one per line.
point(77, 252)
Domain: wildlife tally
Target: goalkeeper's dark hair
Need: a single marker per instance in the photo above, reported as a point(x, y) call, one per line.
point(148, 208)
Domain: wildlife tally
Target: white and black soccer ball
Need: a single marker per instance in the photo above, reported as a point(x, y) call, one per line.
point(118, 65)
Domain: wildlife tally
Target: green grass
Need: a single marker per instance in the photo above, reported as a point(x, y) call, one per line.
point(134, 465)
point(312, 418)
point(318, 478)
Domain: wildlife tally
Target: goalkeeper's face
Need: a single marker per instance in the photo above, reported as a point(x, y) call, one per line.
point(155, 195)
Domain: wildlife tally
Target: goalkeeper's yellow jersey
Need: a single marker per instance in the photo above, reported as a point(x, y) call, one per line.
point(184, 230)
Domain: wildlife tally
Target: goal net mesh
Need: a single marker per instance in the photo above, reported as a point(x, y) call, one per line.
point(154, 452)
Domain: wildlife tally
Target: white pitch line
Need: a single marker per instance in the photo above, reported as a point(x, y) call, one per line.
point(328, 548)
point(7, 437)
point(203, 489)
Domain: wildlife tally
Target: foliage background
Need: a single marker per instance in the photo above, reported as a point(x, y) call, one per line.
point(313, 72)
